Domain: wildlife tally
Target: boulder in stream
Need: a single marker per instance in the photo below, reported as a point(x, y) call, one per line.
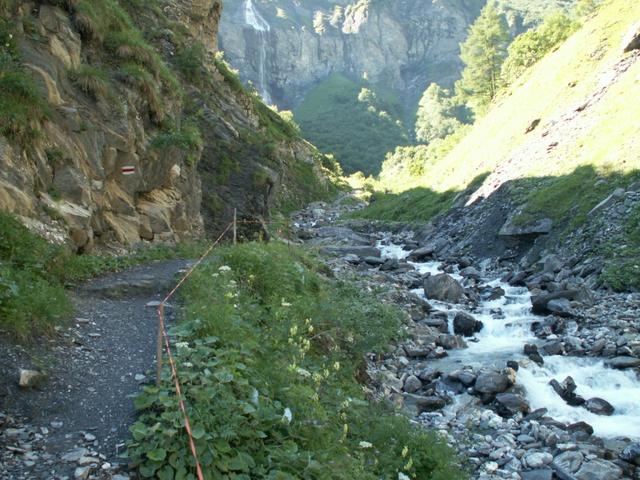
point(494, 382)
point(443, 287)
point(466, 325)
point(599, 406)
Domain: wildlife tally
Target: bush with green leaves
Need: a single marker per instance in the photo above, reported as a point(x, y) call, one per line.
point(187, 138)
point(439, 114)
point(529, 47)
point(268, 356)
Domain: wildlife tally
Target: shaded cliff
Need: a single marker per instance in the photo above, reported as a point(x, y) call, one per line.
point(403, 45)
point(113, 112)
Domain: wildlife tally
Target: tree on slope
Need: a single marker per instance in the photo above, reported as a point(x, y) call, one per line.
point(483, 53)
point(436, 117)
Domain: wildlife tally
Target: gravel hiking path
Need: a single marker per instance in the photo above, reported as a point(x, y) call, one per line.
point(76, 423)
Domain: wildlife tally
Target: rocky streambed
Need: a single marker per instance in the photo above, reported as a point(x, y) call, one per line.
point(527, 372)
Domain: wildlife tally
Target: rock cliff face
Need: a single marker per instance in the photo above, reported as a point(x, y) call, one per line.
point(111, 163)
point(404, 44)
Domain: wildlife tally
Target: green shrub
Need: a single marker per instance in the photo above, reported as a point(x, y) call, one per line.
point(529, 47)
point(190, 61)
point(267, 356)
point(187, 138)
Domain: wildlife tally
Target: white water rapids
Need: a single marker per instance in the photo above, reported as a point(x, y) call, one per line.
point(257, 22)
point(503, 339)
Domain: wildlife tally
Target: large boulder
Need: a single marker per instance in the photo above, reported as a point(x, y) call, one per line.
point(443, 287)
point(421, 254)
point(508, 404)
point(598, 469)
point(623, 362)
point(494, 382)
point(558, 302)
point(464, 324)
point(530, 229)
point(599, 406)
point(631, 454)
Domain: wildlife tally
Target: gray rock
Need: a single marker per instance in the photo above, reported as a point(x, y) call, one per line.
point(82, 473)
point(450, 342)
point(623, 362)
point(361, 251)
point(537, 459)
point(511, 403)
point(374, 261)
point(470, 272)
point(443, 287)
point(465, 377)
point(631, 454)
point(617, 195)
point(412, 384)
point(74, 455)
point(430, 404)
point(466, 325)
point(531, 229)
point(569, 461)
point(542, 474)
point(599, 406)
point(421, 254)
point(598, 469)
point(492, 382)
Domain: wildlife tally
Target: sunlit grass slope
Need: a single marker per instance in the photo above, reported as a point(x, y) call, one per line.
point(584, 97)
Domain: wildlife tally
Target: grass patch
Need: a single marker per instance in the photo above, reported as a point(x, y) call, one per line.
point(187, 139)
point(268, 354)
point(567, 199)
point(94, 81)
point(34, 274)
point(22, 106)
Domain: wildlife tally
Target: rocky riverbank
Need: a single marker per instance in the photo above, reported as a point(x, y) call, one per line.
point(531, 373)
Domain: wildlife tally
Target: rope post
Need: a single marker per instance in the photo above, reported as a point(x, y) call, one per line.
point(159, 345)
point(235, 226)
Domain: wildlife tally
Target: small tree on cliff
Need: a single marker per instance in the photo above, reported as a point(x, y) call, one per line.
point(483, 53)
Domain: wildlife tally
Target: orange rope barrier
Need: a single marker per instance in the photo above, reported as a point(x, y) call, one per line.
point(162, 333)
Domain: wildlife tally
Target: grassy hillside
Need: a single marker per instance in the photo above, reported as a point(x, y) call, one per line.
point(574, 109)
point(353, 121)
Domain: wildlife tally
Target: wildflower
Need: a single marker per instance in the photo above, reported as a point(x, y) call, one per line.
point(293, 330)
point(405, 451)
point(303, 373)
point(285, 304)
point(310, 329)
point(187, 364)
point(336, 366)
point(365, 445)
point(224, 268)
point(402, 476)
point(182, 344)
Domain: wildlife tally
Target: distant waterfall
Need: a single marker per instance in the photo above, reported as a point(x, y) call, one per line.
point(257, 22)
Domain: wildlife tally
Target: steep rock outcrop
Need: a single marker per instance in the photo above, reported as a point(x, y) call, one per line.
point(112, 164)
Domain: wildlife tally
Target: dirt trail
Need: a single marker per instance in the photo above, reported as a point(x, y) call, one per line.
point(95, 367)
